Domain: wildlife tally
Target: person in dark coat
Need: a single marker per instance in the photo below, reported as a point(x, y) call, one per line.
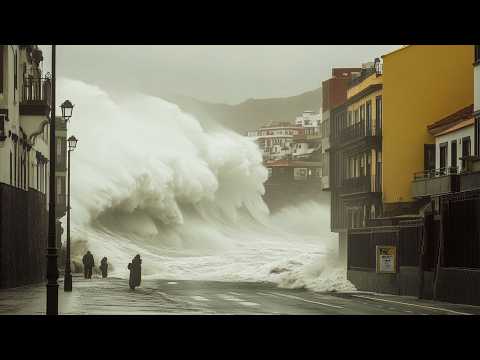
point(104, 267)
point(88, 264)
point(135, 268)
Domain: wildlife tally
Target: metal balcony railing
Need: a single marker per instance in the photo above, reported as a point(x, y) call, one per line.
point(429, 174)
point(377, 69)
point(361, 184)
point(356, 131)
point(36, 90)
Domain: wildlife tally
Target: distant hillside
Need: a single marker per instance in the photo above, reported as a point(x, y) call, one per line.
point(250, 114)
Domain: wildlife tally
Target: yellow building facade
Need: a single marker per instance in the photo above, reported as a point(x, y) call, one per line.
point(363, 108)
point(421, 84)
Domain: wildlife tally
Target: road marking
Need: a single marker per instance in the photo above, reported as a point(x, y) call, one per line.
point(248, 303)
point(234, 293)
point(308, 301)
point(408, 304)
point(199, 298)
point(236, 299)
point(172, 283)
point(229, 297)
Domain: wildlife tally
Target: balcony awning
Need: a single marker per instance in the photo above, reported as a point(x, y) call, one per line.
point(457, 126)
point(451, 120)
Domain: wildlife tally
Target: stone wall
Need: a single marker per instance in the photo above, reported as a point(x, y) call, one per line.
point(23, 236)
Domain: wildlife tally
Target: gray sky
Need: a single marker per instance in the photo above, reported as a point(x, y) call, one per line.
point(216, 73)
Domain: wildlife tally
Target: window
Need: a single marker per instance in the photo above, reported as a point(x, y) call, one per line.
point(2, 126)
point(15, 77)
point(378, 114)
point(453, 159)
point(300, 173)
point(443, 156)
point(369, 116)
point(465, 148)
point(477, 53)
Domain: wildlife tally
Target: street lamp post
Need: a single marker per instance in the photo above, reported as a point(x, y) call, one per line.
point(72, 143)
point(67, 109)
point(52, 269)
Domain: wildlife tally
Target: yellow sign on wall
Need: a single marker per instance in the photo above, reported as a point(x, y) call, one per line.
point(386, 259)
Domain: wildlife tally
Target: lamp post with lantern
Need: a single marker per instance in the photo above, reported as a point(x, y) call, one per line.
point(72, 143)
point(67, 109)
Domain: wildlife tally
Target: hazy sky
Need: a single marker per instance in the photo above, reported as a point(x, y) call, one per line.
point(216, 73)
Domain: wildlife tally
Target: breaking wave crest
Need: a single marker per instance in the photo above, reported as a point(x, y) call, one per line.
point(150, 179)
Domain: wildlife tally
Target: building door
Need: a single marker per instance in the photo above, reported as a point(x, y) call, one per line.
point(429, 157)
point(443, 157)
point(453, 157)
point(466, 146)
point(465, 149)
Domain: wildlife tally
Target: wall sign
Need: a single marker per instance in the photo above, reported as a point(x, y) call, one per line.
point(386, 259)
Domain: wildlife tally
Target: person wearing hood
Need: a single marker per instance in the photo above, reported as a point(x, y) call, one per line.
point(88, 264)
point(135, 268)
point(104, 267)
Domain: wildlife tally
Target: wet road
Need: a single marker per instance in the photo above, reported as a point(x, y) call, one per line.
point(112, 296)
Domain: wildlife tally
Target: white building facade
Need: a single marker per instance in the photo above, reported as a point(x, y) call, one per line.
point(452, 144)
point(25, 95)
point(24, 128)
point(275, 140)
point(309, 119)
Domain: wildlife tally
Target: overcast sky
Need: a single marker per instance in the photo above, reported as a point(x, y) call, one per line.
point(216, 73)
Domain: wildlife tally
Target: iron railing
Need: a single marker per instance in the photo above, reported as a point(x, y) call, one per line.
point(36, 90)
point(428, 174)
point(356, 131)
point(377, 69)
point(361, 184)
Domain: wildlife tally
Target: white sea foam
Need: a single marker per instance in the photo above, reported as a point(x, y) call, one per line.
point(150, 179)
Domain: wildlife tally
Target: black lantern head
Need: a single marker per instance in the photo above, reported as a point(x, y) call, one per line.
point(72, 142)
point(67, 109)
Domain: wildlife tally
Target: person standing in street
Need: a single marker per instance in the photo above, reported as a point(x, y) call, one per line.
point(135, 268)
point(88, 264)
point(104, 267)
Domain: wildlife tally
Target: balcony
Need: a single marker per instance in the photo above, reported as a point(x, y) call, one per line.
point(357, 132)
point(470, 181)
point(36, 96)
point(435, 182)
point(365, 73)
point(360, 185)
